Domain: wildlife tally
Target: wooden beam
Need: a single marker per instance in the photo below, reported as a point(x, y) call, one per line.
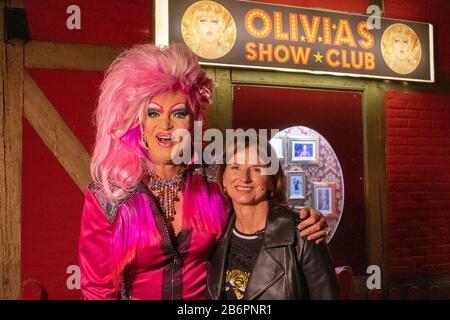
point(67, 56)
point(58, 137)
point(219, 113)
point(10, 163)
point(375, 181)
point(296, 80)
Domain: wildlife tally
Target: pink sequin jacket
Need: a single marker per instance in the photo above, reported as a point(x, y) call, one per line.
point(173, 267)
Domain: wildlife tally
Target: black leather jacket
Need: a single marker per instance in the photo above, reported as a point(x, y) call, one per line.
point(287, 266)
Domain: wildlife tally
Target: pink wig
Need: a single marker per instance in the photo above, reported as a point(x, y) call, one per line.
point(136, 76)
point(119, 156)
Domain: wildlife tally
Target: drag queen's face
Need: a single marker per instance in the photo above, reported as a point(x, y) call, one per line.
point(165, 114)
point(401, 44)
point(208, 27)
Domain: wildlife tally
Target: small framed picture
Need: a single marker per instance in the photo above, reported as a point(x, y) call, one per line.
point(277, 144)
point(325, 197)
point(303, 149)
point(295, 185)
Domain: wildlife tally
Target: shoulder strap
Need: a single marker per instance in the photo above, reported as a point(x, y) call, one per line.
point(109, 207)
point(210, 172)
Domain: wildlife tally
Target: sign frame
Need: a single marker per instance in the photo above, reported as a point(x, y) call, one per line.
point(162, 23)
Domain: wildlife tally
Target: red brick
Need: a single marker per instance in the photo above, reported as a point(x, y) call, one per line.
point(413, 123)
point(398, 123)
point(402, 168)
point(439, 106)
point(403, 252)
point(440, 124)
point(403, 150)
point(412, 242)
point(402, 177)
point(402, 196)
point(434, 150)
point(399, 160)
point(391, 113)
point(427, 132)
point(409, 114)
point(442, 231)
point(442, 177)
point(404, 95)
point(432, 115)
point(396, 104)
point(443, 267)
point(421, 195)
point(426, 159)
point(388, 95)
point(408, 132)
point(426, 141)
point(419, 105)
point(404, 187)
point(437, 222)
point(415, 233)
point(396, 141)
point(438, 241)
point(396, 270)
point(430, 268)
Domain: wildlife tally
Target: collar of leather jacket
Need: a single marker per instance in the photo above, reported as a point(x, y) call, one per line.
point(279, 231)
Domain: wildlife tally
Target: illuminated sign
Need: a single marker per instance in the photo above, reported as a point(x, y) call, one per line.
point(277, 37)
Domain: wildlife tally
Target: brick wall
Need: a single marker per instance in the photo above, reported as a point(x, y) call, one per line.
point(418, 151)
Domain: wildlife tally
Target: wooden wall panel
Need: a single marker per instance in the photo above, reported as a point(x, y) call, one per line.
point(10, 167)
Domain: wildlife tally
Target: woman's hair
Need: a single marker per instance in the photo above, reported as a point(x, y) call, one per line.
point(132, 80)
point(277, 198)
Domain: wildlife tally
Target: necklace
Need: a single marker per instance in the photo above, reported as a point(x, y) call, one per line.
point(257, 235)
point(167, 190)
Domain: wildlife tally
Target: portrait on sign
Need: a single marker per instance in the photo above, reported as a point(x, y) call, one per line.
point(208, 29)
point(401, 48)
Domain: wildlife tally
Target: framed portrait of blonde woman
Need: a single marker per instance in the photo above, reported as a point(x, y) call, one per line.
point(324, 198)
point(208, 29)
point(401, 48)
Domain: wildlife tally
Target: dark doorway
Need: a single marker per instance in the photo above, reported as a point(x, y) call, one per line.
point(337, 116)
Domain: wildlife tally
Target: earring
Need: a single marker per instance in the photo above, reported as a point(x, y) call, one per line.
point(272, 194)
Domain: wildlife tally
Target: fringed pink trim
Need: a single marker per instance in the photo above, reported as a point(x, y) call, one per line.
point(204, 210)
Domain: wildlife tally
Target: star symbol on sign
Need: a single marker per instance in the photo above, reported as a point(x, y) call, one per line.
point(302, 38)
point(320, 39)
point(318, 57)
point(333, 26)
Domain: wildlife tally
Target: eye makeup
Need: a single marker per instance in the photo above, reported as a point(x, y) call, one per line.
point(179, 111)
point(154, 110)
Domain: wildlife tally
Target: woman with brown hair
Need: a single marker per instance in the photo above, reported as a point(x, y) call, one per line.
point(261, 254)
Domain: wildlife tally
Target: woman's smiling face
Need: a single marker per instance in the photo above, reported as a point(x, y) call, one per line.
point(245, 182)
point(165, 114)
